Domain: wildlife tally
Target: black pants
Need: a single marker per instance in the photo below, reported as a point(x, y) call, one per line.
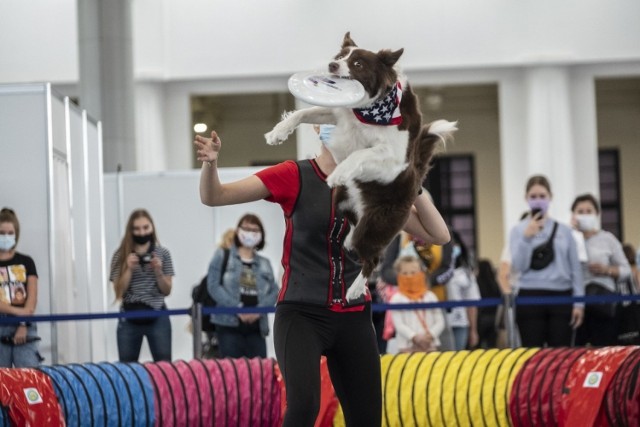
point(541, 325)
point(302, 334)
point(597, 331)
point(487, 331)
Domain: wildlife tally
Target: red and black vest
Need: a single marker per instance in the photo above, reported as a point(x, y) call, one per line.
point(318, 269)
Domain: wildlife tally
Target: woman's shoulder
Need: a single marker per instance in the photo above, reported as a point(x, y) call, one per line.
point(22, 258)
point(429, 296)
point(398, 297)
point(263, 260)
point(162, 250)
point(608, 235)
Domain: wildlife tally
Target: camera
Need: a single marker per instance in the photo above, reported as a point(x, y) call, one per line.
point(145, 258)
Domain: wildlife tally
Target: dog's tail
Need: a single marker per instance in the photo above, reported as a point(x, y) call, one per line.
point(432, 138)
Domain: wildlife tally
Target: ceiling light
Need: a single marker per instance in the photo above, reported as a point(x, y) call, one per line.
point(199, 127)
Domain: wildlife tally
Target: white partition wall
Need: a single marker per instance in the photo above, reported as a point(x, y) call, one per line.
point(188, 229)
point(44, 143)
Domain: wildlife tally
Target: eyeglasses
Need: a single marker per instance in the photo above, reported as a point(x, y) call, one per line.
point(251, 229)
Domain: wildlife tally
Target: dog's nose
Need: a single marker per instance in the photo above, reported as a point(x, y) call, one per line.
point(333, 67)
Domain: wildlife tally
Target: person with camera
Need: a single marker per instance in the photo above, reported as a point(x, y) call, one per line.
point(545, 260)
point(141, 273)
point(18, 297)
point(606, 264)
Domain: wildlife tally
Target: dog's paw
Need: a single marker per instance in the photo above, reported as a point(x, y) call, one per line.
point(357, 289)
point(278, 135)
point(336, 178)
point(348, 241)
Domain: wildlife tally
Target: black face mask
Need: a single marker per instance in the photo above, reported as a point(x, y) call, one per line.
point(141, 240)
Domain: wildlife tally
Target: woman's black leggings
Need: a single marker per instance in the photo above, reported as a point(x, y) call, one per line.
point(302, 334)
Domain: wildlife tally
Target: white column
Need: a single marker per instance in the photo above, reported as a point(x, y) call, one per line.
point(547, 121)
point(106, 76)
point(151, 152)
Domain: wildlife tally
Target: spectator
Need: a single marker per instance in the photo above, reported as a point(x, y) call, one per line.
point(18, 297)
point(420, 329)
point(487, 316)
point(560, 275)
point(248, 281)
point(457, 274)
point(606, 264)
point(142, 275)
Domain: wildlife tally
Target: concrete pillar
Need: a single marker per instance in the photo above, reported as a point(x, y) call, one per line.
point(106, 76)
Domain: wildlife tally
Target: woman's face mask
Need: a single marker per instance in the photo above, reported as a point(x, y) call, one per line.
point(7, 241)
point(587, 222)
point(325, 134)
point(249, 239)
point(539, 204)
point(142, 239)
point(412, 285)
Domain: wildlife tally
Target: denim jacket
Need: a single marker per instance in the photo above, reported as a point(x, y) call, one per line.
point(228, 295)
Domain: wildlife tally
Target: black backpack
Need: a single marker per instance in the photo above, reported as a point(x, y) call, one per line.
point(200, 294)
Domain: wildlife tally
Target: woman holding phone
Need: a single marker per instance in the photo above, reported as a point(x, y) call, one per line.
point(545, 259)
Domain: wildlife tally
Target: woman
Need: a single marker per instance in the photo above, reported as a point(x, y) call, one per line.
point(606, 265)
point(416, 330)
point(18, 297)
point(312, 316)
point(247, 281)
point(142, 273)
point(461, 285)
point(548, 324)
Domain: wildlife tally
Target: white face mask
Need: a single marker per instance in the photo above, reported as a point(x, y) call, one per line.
point(7, 241)
point(587, 222)
point(249, 239)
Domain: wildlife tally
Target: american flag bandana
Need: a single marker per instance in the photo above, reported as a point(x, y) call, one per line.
point(384, 111)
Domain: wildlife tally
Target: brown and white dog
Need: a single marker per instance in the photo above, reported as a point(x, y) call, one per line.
point(381, 149)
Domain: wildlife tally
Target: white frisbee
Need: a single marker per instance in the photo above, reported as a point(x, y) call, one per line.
point(326, 90)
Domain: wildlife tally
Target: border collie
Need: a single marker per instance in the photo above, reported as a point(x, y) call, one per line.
point(381, 149)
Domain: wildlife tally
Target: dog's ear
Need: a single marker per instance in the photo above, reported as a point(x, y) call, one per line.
point(347, 42)
point(388, 57)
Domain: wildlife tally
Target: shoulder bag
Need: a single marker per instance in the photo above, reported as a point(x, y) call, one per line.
point(543, 254)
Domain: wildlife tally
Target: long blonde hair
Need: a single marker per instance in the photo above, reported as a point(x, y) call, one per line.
point(126, 244)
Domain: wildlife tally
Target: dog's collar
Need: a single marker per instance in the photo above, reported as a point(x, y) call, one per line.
point(385, 111)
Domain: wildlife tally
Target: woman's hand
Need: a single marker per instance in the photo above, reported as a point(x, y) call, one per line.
point(536, 223)
point(577, 316)
point(132, 260)
point(422, 341)
point(156, 264)
point(248, 317)
point(207, 149)
point(20, 336)
point(598, 269)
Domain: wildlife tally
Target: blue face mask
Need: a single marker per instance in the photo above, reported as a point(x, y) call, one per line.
point(325, 133)
point(456, 251)
point(7, 241)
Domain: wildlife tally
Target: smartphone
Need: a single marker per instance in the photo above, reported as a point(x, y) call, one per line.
point(535, 211)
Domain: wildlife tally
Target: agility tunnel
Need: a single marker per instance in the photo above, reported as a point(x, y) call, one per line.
point(223, 392)
point(509, 387)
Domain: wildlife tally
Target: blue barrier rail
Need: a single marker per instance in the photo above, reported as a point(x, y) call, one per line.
point(486, 302)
